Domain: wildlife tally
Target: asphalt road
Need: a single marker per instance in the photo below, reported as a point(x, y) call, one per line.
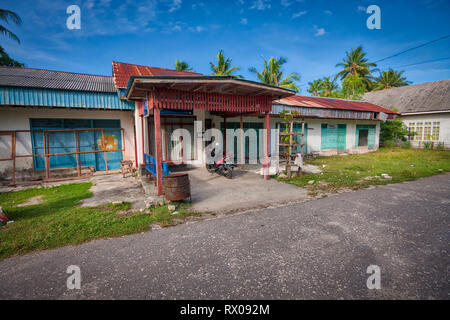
point(317, 249)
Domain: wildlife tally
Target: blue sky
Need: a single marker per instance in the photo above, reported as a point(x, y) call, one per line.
point(313, 34)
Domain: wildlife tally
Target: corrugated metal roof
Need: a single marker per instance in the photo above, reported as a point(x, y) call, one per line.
point(17, 96)
point(123, 71)
point(329, 103)
point(48, 79)
point(424, 97)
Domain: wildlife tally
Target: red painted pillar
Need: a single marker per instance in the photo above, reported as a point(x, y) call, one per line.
point(158, 150)
point(266, 146)
point(224, 136)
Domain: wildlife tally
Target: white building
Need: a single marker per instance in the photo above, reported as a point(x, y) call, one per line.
point(424, 108)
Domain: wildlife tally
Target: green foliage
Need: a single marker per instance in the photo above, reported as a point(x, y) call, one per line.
point(440, 146)
point(390, 79)
point(7, 16)
point(183, 66)
point(272, 74)
point(354, 86)
point(389, 144)
point(406, 144)
point(59, 220)
point(363, 170)
point(315, 87)
point(356, 63)
point(427, 145)
point(223, 67)
point(328, 87)
point(7, 61)
point(393, 130)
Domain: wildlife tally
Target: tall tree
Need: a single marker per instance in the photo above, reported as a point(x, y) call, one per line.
point(7, 16)
point(328, 86)
point(356, 64)
point(390, 79)
point(315, 87)
point(223, 67)
point(181, 65)
point(272, 74)
point(353, 87)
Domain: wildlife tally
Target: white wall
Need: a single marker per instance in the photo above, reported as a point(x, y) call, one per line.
point(18, 118)
point(442, 118)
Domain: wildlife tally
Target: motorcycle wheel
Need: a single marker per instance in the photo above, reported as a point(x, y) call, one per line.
point(228, 173)
point(210, 168)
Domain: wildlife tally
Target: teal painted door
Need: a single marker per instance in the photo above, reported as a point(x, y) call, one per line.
point(333, 136)
point(363, 131)
point(298, 139)
point(247, 125)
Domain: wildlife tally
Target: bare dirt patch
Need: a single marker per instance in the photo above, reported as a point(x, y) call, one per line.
point(32, 201)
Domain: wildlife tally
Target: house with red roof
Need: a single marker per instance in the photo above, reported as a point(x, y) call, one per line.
point(60, 120)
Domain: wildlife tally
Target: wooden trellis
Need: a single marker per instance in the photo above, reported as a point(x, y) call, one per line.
point(290, 154)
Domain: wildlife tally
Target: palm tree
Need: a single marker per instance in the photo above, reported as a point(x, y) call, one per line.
point(355, 63)
point(223, 67)
point(7, 16)
point(390, 79)
point(315, 87)
point(273, 75)
point(181, 65)
point(328, 86)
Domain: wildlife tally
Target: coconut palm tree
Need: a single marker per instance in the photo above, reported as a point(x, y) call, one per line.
point(315, 87)
point(273, 75)
point(181, 65)
point(355, 63)
point(223, 67)
point(390, 79)
point(328, 86)
point(7, 15)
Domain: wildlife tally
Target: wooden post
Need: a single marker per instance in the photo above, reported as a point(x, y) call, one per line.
point(288, 160)
point(224, 136)
point(266, 164)
point(44, 135)
point(13, 156)
point(75, 138)
point(242, 143)
point(104, 149)
point(158, 150)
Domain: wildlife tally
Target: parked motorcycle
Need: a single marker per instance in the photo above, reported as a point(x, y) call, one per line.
point(223, 167)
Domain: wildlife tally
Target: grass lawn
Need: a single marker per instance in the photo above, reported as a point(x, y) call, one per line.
point(363, 170)
point(57, 221)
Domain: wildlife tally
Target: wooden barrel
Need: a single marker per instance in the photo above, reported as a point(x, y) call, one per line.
point(177, 186)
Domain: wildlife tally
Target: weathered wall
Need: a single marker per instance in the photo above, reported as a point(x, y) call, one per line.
point(18, 118)
point(442, 118)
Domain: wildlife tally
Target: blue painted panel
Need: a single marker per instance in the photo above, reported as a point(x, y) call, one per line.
point(62, 98)
point(61, 142)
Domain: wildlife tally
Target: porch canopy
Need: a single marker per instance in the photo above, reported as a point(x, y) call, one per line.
point(225, 95)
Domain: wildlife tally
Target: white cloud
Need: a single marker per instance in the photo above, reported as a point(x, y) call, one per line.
point(328, 12)
point(243, 21)
point(298, 14)
point(176, 4)
point(361, 8)
point(261, 5)
point(285, 3)
point(319, 31)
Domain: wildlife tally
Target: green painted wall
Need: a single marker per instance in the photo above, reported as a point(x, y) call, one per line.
point(371, 136)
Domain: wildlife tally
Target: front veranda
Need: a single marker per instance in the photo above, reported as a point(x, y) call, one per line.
point(171, 103)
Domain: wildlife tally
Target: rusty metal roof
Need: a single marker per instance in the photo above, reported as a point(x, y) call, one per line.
point(49, 79)
point(331, 103)
point(123, 71)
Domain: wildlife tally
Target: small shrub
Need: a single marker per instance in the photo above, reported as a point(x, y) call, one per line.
point(406, 144)
point(440, 146)
point(389, 144)
point(427, 145)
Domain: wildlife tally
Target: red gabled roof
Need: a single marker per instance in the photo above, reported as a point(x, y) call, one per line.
point(123, 71)
point(331, 103)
